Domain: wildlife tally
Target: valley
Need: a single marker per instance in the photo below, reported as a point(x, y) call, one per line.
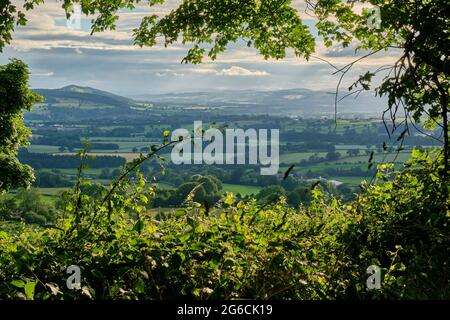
point(320, 149)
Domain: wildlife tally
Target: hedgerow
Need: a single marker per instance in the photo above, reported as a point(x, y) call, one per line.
point(400, 223)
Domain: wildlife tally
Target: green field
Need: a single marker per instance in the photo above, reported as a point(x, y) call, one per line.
point(316, 167)
point(39, 148)
point(235, 188)
point(377, 158)
point(51, 191)
point(90, 172)
point(298, 156)
point(242, 189)
point(345, 147)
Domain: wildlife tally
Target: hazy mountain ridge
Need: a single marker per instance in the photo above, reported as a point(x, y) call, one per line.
point(74, 96)
point(289, 102)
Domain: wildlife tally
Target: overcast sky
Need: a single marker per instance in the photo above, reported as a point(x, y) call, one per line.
point(59, 56)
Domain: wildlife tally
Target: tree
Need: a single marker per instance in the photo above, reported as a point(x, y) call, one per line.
point(417, 84)
point(8, 208)
point(332, 156)
point(210, 183)
point(270, 193)
point(45, 179)
point(300, 195)
point(15, 97)
point(29, 200)
point(105, 174)
point(203, 188)
point(352, 152)
point(290, 183)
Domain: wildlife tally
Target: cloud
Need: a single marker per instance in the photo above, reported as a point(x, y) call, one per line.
point(294, 97)
point(239, 71)
point(233, 71)
point(204, 70)
point(110, 61)
point(43, 74)
point(170, 73)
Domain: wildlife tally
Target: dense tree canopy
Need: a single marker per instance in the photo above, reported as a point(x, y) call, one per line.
point(15, 97)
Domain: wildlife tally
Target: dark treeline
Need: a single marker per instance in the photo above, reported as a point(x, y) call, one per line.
point(315, 140)
point(71, 141)
point(53, 179)
point(41, 160)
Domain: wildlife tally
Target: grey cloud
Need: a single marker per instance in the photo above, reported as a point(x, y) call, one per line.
point(58, 57)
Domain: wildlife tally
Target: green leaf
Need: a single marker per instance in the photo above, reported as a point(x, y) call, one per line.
point(18, 283)
point(139, 286)
point(29, 289)
point(182, 256)
point(184, 237)
point(138, 226)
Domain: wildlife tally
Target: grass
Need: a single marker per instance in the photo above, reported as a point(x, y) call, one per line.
point(71, 103)
point(345, 147)
point(319, 167)
point(129, 145)
point(377, 158)
point(49, 200)
point(51, 191)
point(50, 195)
point(40, 148)
point(73, 172)
point(165, 186)
point(235, 188)
point(242, 189)
point(126, 146)
point(298, 156)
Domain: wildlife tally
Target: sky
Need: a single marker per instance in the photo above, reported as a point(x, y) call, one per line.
point(58, 56)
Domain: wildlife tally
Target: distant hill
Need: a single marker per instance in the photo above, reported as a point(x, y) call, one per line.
point(83, 97)
point(74, 103)
point(290, 96)
point(299, 101)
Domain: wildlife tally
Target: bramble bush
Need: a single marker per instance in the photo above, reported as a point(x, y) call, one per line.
point(239, 249)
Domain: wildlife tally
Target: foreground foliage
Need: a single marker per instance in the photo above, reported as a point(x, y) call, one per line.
point(237, 249)
point(15, 98)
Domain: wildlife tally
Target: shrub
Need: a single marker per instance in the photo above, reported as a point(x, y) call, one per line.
point(241, 249)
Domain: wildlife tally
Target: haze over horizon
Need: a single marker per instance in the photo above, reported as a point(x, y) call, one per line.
point(288, 102)
point(60, 56)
